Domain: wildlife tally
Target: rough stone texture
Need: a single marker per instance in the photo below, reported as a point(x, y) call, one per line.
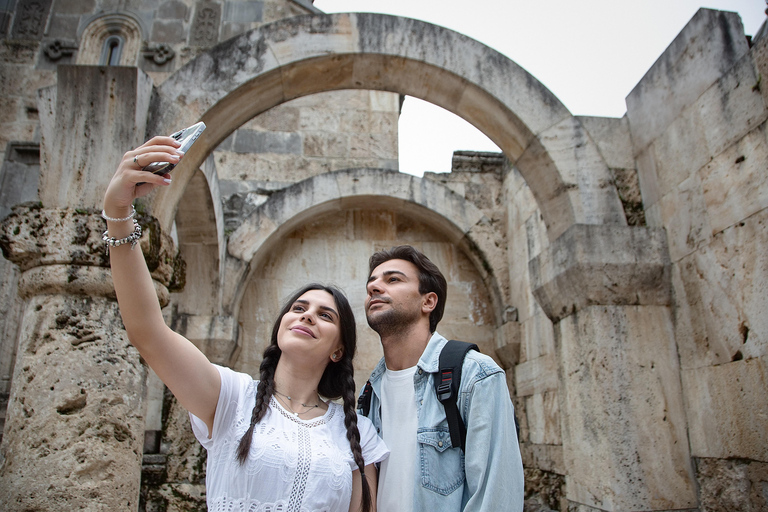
point(720, 296)
point(588, 265)
point(75, 410)
point(727, 419)
point(733, 484)
point(624, 359)
point(74, 169)
point(684, 71)
point(548, 267)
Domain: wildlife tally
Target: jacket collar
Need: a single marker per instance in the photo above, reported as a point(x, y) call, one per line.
point(430, 359)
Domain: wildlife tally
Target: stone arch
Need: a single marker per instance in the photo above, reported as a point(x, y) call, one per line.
point(96, 31)
point(457, 219)
point(265, 67)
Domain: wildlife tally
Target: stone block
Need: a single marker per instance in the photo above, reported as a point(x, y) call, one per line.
point(726, 485)
point(72, 168)
point(75, 6)
point(168, 31)
point(720, 297)
point(680, 151)
point(543, 412)
point(622, 410)
point(383, 101)
point(243, 12)
point(709, 45)
point(283, 118)
point(19, 176)
point(320, 120)
point(205, 24)
point(612, 265)
point(735, 184)
point(543, 457)
point(249, 141)
point(685, 217)
point(536, 376)
point(508, 344)
point(327, 145)
point(538, 336)
point(731, 108)
point(612, 138)
point(582, 176)
point(63, 26)
point(727, 411)
point(30, 19)
point(173, 10)
point(648, 178)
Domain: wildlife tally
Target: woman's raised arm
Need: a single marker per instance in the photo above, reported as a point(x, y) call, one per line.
point(180, 365)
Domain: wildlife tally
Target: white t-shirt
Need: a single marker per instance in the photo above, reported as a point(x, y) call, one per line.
point(399, 423)
point(293, 464)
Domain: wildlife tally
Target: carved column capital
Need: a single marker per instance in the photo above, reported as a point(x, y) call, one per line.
point(601, 265)
point(61, 251)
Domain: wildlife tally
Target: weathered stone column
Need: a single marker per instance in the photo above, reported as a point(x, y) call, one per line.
point(74, 432)
point(607, 290)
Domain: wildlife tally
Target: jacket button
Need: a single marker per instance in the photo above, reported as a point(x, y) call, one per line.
point(421, 371)
point(440, 444)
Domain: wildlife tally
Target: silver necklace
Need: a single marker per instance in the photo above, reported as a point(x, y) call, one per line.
point(308, 407)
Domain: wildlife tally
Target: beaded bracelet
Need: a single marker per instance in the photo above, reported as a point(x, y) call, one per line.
point(124, 219)
point(133, 238)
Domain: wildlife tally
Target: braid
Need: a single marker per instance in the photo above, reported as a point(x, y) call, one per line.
point(264, 393)
point(350, 421)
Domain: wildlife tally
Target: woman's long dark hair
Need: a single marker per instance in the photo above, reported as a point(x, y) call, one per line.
point(337, 380)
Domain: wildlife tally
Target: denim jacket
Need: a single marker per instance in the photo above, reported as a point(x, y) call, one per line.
point(489, 475)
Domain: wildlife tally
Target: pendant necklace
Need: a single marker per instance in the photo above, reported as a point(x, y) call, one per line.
point(290, 406)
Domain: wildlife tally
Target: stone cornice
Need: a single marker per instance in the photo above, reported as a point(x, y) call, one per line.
point(592, 265)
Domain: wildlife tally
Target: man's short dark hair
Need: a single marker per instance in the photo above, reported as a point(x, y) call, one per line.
point(430, 277)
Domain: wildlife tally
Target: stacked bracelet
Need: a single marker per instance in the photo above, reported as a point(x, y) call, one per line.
point(124, 219)
point(133, 238)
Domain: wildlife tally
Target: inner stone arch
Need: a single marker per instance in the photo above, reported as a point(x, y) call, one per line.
point(333, 248)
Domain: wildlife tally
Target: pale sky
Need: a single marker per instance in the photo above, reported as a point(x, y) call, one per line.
point(588, 53)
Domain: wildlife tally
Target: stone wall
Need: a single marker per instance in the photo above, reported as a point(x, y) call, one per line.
point(615, 268)
point(698, 120)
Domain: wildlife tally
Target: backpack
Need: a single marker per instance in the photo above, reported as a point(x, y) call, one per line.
point(447, 385)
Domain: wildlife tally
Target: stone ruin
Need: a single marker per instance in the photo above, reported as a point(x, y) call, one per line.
point(617, 268)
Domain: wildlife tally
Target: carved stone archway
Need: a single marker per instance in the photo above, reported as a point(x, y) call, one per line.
point(299, 56)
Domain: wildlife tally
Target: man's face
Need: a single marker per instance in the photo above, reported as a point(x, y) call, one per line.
point(393, 300)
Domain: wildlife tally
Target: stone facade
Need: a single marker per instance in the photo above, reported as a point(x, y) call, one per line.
point(616, 268)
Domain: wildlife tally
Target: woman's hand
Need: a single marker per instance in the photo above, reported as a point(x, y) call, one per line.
point(130, 181)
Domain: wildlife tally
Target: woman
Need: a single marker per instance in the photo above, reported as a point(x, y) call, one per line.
point(273, 444)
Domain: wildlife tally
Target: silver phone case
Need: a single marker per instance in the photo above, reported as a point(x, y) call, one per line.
point(186, 137)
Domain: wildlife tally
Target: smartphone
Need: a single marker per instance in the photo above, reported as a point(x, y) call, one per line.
point(186, 137)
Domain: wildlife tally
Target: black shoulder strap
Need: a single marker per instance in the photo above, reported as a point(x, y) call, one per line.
point(447, 385)
point(364, 400)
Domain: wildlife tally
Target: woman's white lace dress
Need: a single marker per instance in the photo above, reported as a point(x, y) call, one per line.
point(293, 464)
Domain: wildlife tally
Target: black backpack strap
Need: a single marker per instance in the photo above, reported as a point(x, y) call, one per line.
point(447, 384)
point(364, 400)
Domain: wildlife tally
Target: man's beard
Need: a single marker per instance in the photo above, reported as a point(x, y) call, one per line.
point(391, 321)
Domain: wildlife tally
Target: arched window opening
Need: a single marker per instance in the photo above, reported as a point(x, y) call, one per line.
point(111, 51)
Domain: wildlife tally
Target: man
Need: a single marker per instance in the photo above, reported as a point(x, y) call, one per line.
point(424, 472)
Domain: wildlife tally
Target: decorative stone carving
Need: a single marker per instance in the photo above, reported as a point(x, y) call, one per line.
point(159, 53)
point(205, 27)
point(59, 48)
point(31, 16)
